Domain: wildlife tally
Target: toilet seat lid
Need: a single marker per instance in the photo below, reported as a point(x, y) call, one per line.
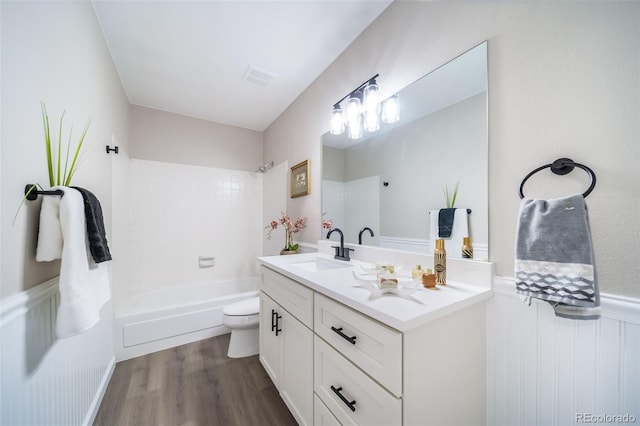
point(249, 306)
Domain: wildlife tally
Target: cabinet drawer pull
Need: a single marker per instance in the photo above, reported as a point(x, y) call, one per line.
point(352, 340)
point(345, 400)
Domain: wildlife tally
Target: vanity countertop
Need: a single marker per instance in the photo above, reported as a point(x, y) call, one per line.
point(401, 313)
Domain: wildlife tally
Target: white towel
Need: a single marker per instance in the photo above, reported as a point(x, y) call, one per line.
point(453, 244)
point(84, 285)
point(49, 235)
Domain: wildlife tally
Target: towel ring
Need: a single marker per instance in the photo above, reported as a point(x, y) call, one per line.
point(562, 166)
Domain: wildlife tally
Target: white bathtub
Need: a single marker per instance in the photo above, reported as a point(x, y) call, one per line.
point(176, 315)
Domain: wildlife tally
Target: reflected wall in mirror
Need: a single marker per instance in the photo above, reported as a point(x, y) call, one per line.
point(392, 179)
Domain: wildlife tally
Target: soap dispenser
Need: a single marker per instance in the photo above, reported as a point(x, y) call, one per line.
point(440, 262)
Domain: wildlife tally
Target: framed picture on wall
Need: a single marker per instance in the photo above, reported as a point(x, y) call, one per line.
point(300, 179)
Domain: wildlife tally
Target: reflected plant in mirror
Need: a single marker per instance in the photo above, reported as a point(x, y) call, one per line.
point(390, 181)
point(450, 196)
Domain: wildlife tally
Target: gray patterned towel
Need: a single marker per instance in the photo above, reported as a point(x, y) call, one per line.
point(554, 256)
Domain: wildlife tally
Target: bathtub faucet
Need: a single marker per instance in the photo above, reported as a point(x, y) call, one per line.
point(342, 253)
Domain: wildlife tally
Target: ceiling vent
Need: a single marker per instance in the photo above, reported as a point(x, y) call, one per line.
point(258, 76)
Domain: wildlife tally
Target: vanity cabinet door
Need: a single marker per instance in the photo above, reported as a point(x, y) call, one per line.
point(269, 342)
point(296, 375)
point(286, 353)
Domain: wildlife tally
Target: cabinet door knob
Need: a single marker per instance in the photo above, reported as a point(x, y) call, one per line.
point(348, 403)
point(351, 340)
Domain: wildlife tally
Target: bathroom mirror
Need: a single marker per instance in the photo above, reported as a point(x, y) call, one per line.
point(390, 180)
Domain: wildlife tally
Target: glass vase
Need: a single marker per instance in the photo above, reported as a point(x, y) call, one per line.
point(288, 243)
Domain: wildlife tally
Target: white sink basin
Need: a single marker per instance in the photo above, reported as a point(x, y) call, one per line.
point(318, 265)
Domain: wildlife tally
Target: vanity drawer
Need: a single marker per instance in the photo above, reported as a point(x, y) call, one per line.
point(291, 295)
point(321, 414)
point(375, 348)
point(352, 396)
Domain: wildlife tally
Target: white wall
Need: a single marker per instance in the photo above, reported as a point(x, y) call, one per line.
point(52, 52)
point(275, 191)
point(164, 136)
point(563, 81)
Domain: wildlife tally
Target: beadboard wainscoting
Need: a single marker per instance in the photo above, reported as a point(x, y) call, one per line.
point(46, 380)
point(545, 370)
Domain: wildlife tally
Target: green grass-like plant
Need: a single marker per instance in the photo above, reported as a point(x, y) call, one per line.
point(61, 177)
point(450, 198)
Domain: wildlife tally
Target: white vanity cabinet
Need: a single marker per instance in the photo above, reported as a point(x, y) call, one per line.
point(286, 343)
point(365, 371)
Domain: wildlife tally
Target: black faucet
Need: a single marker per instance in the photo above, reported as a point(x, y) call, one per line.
point(366, 228)
point(342, 253)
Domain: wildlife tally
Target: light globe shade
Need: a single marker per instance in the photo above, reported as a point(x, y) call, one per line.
point(371, 121)
point(391, 109)
point(370, 98)
point(354, 129)
point(336, 123)
point(353, 109)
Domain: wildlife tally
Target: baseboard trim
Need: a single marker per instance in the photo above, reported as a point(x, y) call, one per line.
point(102, 389)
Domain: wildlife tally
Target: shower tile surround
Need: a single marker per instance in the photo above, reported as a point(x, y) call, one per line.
point(179, 212)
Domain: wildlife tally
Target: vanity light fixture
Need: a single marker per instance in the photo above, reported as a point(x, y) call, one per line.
point(363, 111)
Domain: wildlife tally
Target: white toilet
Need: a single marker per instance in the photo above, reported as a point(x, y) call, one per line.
point(242, 318)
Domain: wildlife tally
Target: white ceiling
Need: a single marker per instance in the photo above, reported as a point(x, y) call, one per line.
point(189, 57)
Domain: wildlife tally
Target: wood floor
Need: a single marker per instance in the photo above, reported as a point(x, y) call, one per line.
point(193, 384)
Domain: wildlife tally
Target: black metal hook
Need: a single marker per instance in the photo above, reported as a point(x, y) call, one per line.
point(562, 166)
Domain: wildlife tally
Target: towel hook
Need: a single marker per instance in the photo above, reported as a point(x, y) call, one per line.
point(562, 166)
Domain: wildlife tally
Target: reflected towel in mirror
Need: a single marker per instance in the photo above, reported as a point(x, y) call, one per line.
point(459, 230)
